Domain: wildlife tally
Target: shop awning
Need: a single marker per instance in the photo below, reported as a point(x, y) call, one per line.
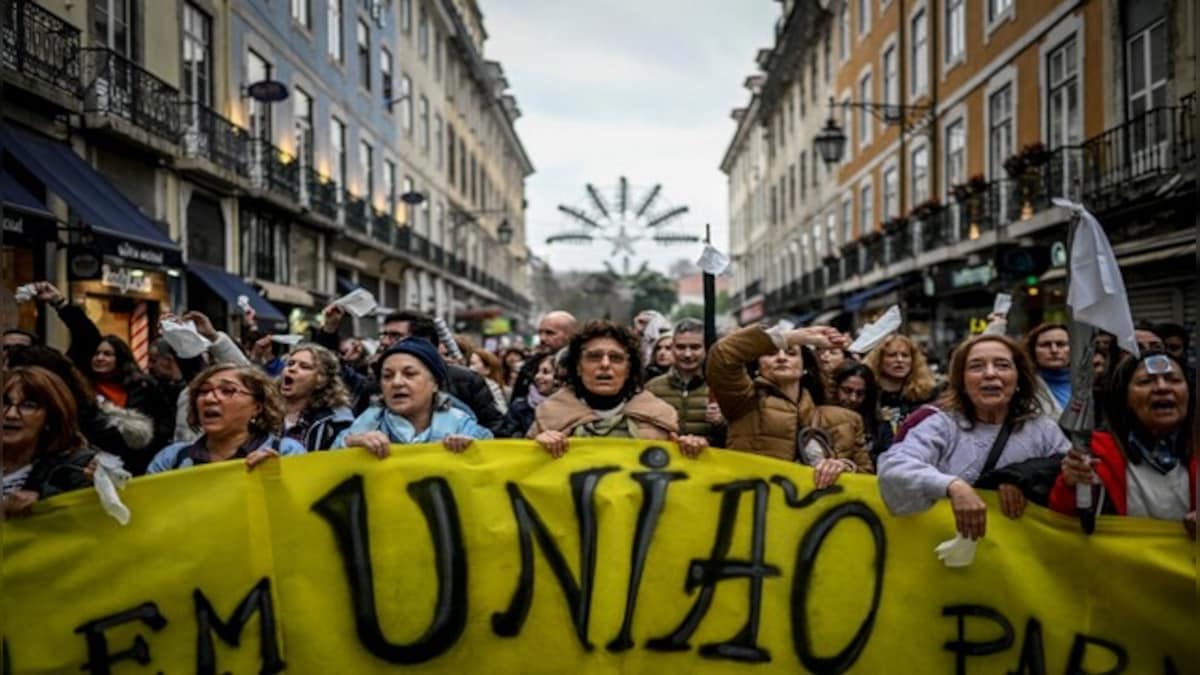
point(230, 286)
point(856, 301)
point(23, 213)
point(123, 230)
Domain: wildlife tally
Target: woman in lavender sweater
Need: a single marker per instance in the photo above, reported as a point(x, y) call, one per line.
point(991, 384)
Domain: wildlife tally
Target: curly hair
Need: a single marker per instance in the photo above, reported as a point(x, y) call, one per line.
point(261, 387)
point(60, 432)
point(1024, 404)
point(593, 330)
point(330, 391)
point(919, 385)
point(1031, 339)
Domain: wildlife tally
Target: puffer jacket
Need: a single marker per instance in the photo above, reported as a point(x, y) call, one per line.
point(688, 397)
point(765, 421)
point(653, 418)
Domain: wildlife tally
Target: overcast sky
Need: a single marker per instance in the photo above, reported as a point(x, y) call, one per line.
point(640, 88)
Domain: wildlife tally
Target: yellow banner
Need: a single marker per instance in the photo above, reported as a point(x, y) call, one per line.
point(619, 557)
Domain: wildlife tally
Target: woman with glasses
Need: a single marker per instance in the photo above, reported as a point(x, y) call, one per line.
point(239, 411)
point(44, 451)
point(603, 398)
point(1144, 465)
point(989, 430)
point(768, 385)
point(316, 403)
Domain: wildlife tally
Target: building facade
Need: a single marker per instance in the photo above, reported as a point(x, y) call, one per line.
point(141, 173)
point(963, 121)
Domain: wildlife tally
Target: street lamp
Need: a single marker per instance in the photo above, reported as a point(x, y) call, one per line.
point(831, 141)
point(504, 232)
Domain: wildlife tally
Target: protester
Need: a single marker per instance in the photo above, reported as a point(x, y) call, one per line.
point(353, 353)
point(1106, 355)
point(684, 388)
point(15, 337)
point(829, 360)
point(855, 389)
point(239, 411)
point(521, 413)
point(44, 451)
point(1175, 340)
point(905, 382)
point(779, 413)
point(661, 357)
point(1049, 346)
point(1147, 338)
point(603, 397)
point(1146, 460)
point(414, 407)
point(488, 366)
point(316, 403)
point(221, 349)
point(512, 359)
point(554, 332)
point(989, 419)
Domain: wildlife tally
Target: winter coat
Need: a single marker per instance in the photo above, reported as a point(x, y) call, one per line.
point(445, 421)
point(518, 420)
point(689, 398)
point(59, 473)
point(653, 418)
point(1112, 472)
point(317, 429)
point(764, 420)
point(178, 455)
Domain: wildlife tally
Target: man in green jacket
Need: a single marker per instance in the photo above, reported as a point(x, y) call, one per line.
point(683, 386)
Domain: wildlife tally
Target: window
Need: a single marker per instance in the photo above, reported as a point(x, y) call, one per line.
point(389, 187)
point(1000, 131)
point(335, 30)
point(438, 49)
point(815, 179)
point(257, 69)
point(1063, 95)
point(364, 54)
point(302, 12)
point(366, 169)
point(774, 206)
point(828, 62)
point(831, 231)
point(866, 209)
point(956, 26)
point(847, 220)
point(423, 122)
point(919, 77)
point(844, 32)
point(956, 153)
point(405, 215)
point(803, 172)
point(891, 192)
point(865, 125)
point(891, 79)
point(1147, 78)
point(450, 152)
point(197, 55)
point(437, 140)
point(385, 76)
point(113, 26)
point(406, 16)
point(792, 185)
point(783, 209)
point(812, 67)
point(997, 8)
point(920, 175)
point(406, 104)
point(302, 120)
point(264, 247)
point(423, 35)
point(337, 148)
point(864, 16)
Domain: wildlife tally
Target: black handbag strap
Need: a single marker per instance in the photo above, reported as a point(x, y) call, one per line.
point(997, 448)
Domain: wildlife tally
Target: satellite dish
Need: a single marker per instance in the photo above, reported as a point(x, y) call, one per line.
point(267, 91)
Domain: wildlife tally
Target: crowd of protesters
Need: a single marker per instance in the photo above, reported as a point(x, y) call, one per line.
point(785, 393)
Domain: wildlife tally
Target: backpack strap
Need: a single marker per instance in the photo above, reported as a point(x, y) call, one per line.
point(997, 448)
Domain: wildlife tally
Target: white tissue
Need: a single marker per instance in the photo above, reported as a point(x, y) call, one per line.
point(289, 340)
point(874, 333)
point(111, 476)
point(184, 339)
point(25, 293)
point(1003, 304)
point(358, 302)
point(713, 261)
point(957, 552)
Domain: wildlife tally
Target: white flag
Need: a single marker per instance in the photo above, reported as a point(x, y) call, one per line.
point(1097, 294)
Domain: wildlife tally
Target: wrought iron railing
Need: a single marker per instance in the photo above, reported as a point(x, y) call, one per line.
point(114, 85)
point(1123, 161)
point(356, 212)
point(436, 254)
point(875, 253)
point(900, 244)
point(207, 135)
point(383, 227)
point(321, 193)
point(420, 245)
point(274, 170)
point(37, 43)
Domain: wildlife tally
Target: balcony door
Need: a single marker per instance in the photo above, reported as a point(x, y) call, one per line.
point(1064, 123)
point(1146, 83)
point(196, 81)
point(259, 117)
point(114, 26)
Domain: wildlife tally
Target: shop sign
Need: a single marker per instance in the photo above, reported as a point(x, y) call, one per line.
point(14, 224)
point(1058, 254)
point(141, 254)
point(125, 279)
point(752, 312)
point(980, 275)
point(497, 326)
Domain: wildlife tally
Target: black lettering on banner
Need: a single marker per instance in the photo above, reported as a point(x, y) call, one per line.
point(99, 659)
point(806, 559)
point(1079, 649)
point(209, 622)
point(962, 648)
point(529, 525)
point(792, 495)
point(345, 509)
point(654, 496)
point(718, 567)
point(6, 661)
point(1033, 651)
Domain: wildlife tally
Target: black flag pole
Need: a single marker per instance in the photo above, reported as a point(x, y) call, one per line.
point(1079, 417)
point(710, 299)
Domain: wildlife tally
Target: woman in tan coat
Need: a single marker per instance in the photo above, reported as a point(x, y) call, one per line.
point(774, 414)
point(602, 396)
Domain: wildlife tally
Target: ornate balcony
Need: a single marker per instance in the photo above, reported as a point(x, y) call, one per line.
point(356, 212)
point(115, 86)
point(274, 170)
point(321, 194)
point(37, 44)
point(383, 227)
point(211, 137)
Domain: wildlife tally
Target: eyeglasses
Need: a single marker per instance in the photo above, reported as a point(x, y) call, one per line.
point(24, 406)
point(223, 392)
point(393, 335)
point(598, 356)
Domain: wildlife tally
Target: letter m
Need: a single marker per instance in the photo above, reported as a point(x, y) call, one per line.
point(230, 632)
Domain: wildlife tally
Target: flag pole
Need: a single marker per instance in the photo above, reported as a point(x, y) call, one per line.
point(1079, 418)
point(710, 299)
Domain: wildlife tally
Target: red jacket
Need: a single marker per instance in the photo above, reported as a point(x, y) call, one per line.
point(1111, 471)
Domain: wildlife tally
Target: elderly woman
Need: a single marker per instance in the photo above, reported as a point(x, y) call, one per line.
point(316, 403)
point(1145, 464)
point(989, 420)
point(414, 406)
point(603, 397)
point(779, 413)
point(44, 451)
point(521, 413)
point(1049, 346)
point(905, 382)
point(239, 412)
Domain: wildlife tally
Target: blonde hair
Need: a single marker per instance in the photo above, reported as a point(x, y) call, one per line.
point(919, 384)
